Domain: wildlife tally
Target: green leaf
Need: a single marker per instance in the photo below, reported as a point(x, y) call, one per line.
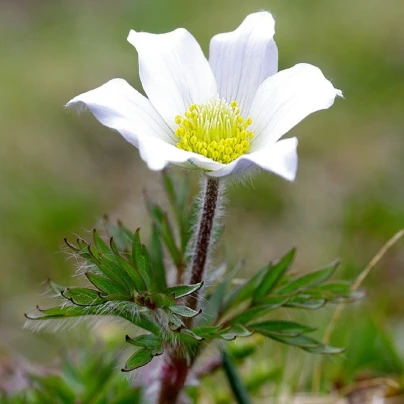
point(325, 350)
point(115, 267)
point(281, 328)
point(337, 288)
point(246, 291)
point(56, 387)
point(180, 291)
point(273, 275)
point(140, 358)
point(98, 257)
point(216, 304)
point(141, 261)
point(157, 260)
point(312, 279)
point(113, 273)
point(129, 273)
point(175, 322)
point(104, 284)
point(190, 333)
point(149, 341)
point(138, 319)
point(183, 311)
point(137, 259)
point(208, 331)
point(236, 385)
point(162, 300)
point(100, 244)
point(83, 296)
point(308, 344)
point(147, 271)
point(178, 193)
point(301, 341)
point(305, 302)
point(259, 311)
point(122, 236)
point(163, 226)
point(236, 330)
point(65, 311)
point(58, 289)
point(169, 187)
point(117, 298)
point(339, 291)
point(84, 250)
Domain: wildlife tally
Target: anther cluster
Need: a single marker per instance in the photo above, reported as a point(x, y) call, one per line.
point(215, 129)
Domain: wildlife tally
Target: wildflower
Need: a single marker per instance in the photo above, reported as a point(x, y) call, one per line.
point(221, 116)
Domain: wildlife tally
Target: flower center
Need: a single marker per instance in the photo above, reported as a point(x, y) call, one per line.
point(215, 129)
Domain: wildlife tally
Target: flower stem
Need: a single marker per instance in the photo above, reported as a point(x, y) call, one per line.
point(175, 368)
point(204, 236)
point(173, 374)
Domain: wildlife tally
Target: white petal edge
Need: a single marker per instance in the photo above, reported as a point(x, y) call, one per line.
point(174, 71)
point(119, 106)
point(285, 99)
point(157, 154)
point(279, 158)
point(242, 59)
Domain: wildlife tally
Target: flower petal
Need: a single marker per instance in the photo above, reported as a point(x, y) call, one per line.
point(279, 157)
point(119, 106)
point(158, 154)
point(174, 71)
point(241, 60)
point(285, 99)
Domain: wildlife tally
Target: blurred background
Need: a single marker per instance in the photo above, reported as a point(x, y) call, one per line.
point(59, 172)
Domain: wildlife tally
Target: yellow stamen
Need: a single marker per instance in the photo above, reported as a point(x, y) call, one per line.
point(215, 129)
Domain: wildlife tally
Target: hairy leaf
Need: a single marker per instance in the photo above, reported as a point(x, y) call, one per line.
point(122, 235)
point(58, 289)
point(180, 291)
point(83, 296)
point(183, 311)
point(140, 358)
point(148, 341)
point(64, 311)
point(175, 322)
point(132, 276)
point(152, 342)
point(104, 284)
point(190, 333)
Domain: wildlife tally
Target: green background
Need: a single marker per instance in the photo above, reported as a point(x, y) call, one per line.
point(59, 172)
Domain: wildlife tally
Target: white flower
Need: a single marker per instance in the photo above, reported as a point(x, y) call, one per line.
point(222, 115)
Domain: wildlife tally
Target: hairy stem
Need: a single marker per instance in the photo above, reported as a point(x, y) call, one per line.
point(175, 368)
point(204, 236)
point(173, 374)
